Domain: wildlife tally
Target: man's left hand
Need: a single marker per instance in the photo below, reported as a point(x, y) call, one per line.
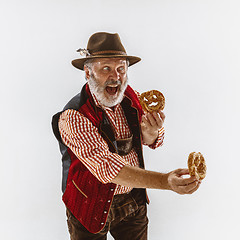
point(151, 123)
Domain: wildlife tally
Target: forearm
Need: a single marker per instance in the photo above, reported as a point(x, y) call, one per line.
point(139, 178)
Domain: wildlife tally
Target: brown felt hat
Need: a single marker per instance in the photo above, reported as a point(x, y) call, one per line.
point(103, 45)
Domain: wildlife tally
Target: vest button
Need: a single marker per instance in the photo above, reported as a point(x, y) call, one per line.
point(102, 223)
point(105, 211)
point(109, 200)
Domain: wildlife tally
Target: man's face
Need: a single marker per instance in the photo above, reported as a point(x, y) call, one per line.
point(108, 80)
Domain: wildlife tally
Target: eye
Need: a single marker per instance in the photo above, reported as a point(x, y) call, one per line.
point(106, 68)
point(121, 69)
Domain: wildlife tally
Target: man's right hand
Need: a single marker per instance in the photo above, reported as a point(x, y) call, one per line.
point(182, 185)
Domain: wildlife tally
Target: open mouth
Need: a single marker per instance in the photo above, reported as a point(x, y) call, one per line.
point(112, 89)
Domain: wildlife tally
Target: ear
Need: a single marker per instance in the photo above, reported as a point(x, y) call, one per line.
point(87, 72)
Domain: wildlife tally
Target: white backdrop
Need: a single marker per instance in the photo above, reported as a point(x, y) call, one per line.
point(190, 51)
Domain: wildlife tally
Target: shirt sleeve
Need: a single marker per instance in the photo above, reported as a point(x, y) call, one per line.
point(83, 138)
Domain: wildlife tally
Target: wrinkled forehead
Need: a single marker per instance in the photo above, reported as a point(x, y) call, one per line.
point(110, 61)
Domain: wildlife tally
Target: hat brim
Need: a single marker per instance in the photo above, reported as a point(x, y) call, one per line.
point(79, 63)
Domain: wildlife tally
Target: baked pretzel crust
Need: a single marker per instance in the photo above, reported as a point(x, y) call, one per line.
point(197, 165)
point(152, 101)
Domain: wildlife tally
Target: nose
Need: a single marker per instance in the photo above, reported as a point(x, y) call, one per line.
point(115, 75)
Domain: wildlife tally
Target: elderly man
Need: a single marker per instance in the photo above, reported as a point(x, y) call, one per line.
point(101, 132)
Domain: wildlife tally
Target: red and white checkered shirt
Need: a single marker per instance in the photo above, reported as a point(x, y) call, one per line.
point(83, 138)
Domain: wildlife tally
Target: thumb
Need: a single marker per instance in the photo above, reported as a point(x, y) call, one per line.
point(181, 171)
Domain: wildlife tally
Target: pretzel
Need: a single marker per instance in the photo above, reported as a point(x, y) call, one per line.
point(152, 101)
point(196, 165)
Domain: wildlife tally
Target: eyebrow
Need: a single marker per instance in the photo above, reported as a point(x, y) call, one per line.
point(109, 62)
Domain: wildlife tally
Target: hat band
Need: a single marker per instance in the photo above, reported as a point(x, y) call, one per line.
point(108, 52)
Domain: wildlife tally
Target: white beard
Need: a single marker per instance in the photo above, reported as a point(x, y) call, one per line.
point(99, 91)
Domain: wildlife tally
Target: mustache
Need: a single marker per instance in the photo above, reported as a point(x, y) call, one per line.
point(112, 82)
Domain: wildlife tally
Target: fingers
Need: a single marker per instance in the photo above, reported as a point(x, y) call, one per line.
point(154, 119)
point(145, 122)
point(185, 181)
point(183, 185)
point(162, 115)
point(190, 188)
point(181, 171)
point(158, 119)
point(195, 189)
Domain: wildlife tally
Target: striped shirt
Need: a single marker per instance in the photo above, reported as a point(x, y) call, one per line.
point(83, 138)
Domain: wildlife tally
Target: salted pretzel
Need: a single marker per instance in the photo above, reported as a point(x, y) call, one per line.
point(196, 165)
point(152, 101)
